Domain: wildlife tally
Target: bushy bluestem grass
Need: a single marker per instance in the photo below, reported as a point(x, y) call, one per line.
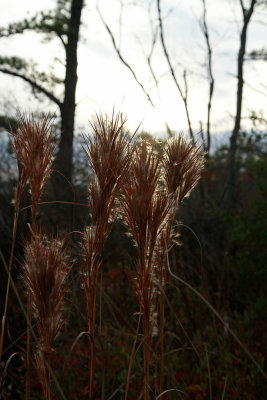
point(128, 180)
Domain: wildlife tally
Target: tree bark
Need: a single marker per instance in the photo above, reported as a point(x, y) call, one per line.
point(232, 167)
point(204, 28)
point(67, 109)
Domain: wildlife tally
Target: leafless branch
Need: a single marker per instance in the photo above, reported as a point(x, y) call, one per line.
point(183, 96)
point(61, 39)
point(122, 59)
point(231, 175)
point(34, 85)
point(243, 8)
point(120, 22)
point(204, 28)
point(255, 90)
point(154, 34)
point(149, 58)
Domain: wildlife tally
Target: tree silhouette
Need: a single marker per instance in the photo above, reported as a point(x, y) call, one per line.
point(63, 23)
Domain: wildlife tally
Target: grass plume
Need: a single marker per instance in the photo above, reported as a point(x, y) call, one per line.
point(107, 152)
point(131, 180)
point(145, 207)
point(33, 147)
point(45, 272)
point(155, 188)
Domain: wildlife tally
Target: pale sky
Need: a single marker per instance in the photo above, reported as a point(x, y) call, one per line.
point(104, 82)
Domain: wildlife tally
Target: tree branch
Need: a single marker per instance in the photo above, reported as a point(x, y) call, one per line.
point(258, 55)
point(184, 97)
point(61, 39)
point(243, 8)
point(204, 28)
point(43, 23)
point(122, 59)
point(232, 173)
point(149, 57)
point(35, 85)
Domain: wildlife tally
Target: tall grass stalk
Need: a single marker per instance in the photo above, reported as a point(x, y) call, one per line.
point(33, 146)
point(145, 207)
point(107, 152)
point(155, 188)
point(134, 182)
point(45, 273)
point(182, 166)
point(32, 331)
point(23, 176)
point(8, 281)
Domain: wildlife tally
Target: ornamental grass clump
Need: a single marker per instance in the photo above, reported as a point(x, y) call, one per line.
point(145, 206)
point(108, 152)
point(151, 195)
point(33, 146)
point(129, 180)
point(45, 272)
point(182, 167)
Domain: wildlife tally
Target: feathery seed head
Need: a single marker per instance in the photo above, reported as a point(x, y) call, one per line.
point(33, 145)
point(107, 150)
point(45, 272)
point(108, 153)
point(183, 164)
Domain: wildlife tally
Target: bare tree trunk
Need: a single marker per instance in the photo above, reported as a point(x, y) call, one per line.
point(204, 28)
point(232, 168)
point(67, 108)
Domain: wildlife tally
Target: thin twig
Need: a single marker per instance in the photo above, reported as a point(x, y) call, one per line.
point(122, 58)
point(183, 96)
point(224, 388)
point(133, 352)
point(204, 28)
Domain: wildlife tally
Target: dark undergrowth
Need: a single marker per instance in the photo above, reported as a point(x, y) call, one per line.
point(214, 297)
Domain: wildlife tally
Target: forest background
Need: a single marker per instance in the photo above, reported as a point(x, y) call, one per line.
point(199, 68)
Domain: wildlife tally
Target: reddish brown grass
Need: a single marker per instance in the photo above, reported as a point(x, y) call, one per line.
point(45, 271)
point(145, 188)
point(155, 188)
point(33, 145)
point(107, 151)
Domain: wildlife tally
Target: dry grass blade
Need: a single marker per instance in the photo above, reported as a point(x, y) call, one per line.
point(6, 369)
point(209, 305)
point(168, 391)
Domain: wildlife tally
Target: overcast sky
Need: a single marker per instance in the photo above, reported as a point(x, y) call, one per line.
point(105, 82)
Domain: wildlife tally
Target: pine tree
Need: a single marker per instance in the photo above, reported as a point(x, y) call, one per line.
point(63, 23)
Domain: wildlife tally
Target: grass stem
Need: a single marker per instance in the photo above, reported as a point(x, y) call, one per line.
point(15, 223)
